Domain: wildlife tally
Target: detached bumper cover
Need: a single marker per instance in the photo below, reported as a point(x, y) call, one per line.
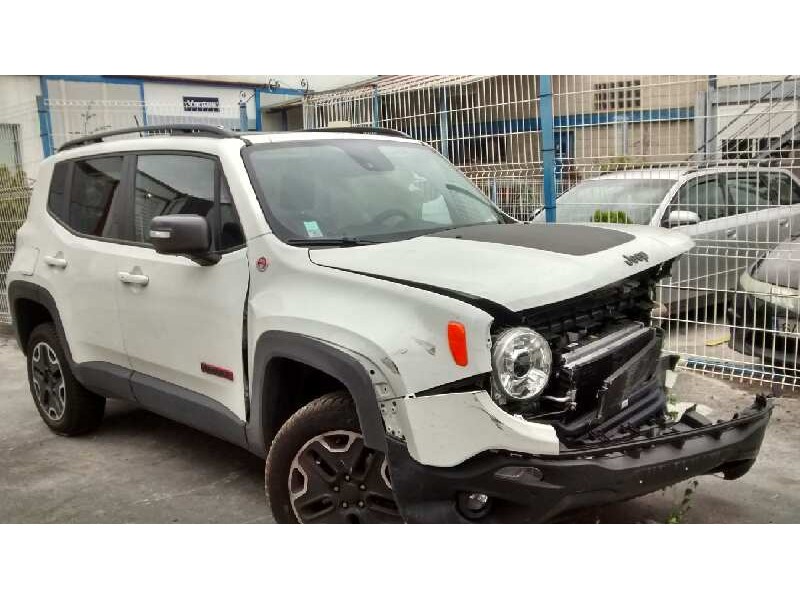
point(539, 488)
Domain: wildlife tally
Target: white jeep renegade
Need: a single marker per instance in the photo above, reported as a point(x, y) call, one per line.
point(349, 306)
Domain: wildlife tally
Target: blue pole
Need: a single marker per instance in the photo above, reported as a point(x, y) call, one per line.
point(257, 93)
point(45, 130)
point(376, 107)
point(548, 146)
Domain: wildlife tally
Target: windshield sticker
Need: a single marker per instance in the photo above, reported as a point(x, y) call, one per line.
point(312, 229)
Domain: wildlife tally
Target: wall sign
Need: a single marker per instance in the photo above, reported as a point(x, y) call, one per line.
point(200, 104)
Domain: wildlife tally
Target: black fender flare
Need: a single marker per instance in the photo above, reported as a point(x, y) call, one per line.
point(323, 357)
point(25, 290)
point(101, 378)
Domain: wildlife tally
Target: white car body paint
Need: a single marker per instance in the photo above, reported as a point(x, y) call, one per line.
point(446, 429)
point(188, 313)
point(385, 322)
point(517, 278)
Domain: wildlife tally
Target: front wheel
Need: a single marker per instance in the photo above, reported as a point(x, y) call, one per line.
point(319, 470)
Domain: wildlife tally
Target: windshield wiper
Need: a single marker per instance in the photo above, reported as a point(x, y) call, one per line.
point(463, 190)
point(340, 241)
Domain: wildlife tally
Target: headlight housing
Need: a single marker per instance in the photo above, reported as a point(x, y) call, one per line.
point(521, 363)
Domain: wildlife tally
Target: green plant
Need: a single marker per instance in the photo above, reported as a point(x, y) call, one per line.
point(611, 216)
point(15, 194)
point(679, 511)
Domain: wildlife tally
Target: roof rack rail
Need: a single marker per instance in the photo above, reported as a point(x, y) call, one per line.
point(173, 129)
point(361, 129)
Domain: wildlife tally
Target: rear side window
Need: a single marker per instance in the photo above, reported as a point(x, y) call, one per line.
point(57, 200)
point(95, 182)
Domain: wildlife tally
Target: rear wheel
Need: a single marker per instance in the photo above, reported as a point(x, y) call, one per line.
point(319, 470)
point(65, 405)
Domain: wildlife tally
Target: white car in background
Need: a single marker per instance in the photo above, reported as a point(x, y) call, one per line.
point(733, 214)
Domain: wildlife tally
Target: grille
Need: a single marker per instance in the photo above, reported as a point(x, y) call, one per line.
point(565, 324)
point(587, 326)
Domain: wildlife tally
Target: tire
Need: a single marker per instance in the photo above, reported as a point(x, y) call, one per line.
point(65, 405)
point(319, 471)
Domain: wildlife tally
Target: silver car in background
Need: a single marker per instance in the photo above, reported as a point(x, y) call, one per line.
point(734, 215)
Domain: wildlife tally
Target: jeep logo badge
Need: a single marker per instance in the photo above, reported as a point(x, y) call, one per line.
point(632, 259)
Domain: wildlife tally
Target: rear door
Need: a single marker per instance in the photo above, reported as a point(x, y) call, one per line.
point(182, 322)
point(78, 257)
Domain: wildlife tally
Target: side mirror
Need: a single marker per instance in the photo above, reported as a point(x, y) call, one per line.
point(682, 217)
point(188, 235)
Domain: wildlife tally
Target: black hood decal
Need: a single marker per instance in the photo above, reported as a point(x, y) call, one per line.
point(577, 240)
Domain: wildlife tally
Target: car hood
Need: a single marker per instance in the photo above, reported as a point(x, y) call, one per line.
point(517, 265)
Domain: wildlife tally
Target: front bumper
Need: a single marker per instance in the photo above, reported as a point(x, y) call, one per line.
point(525, 488)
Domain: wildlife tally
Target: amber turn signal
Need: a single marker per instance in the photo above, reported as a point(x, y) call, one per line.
point(457, 338)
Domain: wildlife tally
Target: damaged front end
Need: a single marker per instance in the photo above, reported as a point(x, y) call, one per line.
point(597, 431)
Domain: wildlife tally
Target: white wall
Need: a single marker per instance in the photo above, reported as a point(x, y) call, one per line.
point(18, 107)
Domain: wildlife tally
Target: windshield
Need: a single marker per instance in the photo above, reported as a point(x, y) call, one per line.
point(611, 201)
point(362, 189)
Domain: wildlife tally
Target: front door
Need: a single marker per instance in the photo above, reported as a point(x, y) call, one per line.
point(182, 323)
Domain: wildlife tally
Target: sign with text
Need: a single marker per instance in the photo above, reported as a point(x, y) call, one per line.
point(200, 104)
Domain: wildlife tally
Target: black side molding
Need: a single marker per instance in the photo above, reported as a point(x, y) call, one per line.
point(190, 408)
point(325, 358)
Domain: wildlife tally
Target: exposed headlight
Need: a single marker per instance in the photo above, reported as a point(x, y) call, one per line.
point(521, 362)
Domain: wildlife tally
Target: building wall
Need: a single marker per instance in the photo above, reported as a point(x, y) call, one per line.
point(18, 111)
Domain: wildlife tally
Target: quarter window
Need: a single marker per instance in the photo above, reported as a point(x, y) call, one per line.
point(95, 183)
point(57, 200)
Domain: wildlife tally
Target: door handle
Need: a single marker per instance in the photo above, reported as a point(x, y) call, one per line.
point(731, 233)
point(133, 278)
point(783, 222)
point(58, 261)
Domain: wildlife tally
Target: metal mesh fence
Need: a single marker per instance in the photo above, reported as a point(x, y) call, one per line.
point(18, 132)
point(713, 157)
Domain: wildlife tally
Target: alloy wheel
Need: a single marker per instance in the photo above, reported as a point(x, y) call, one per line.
point(48, 381)
point(335, 478)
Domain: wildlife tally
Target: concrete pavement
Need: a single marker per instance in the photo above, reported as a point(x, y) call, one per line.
point(141, 468)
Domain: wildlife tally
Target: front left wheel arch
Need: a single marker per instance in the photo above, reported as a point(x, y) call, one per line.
point(265, 409)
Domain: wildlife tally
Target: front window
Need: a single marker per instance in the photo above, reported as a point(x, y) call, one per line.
point(362, 189)
point(611, 201)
